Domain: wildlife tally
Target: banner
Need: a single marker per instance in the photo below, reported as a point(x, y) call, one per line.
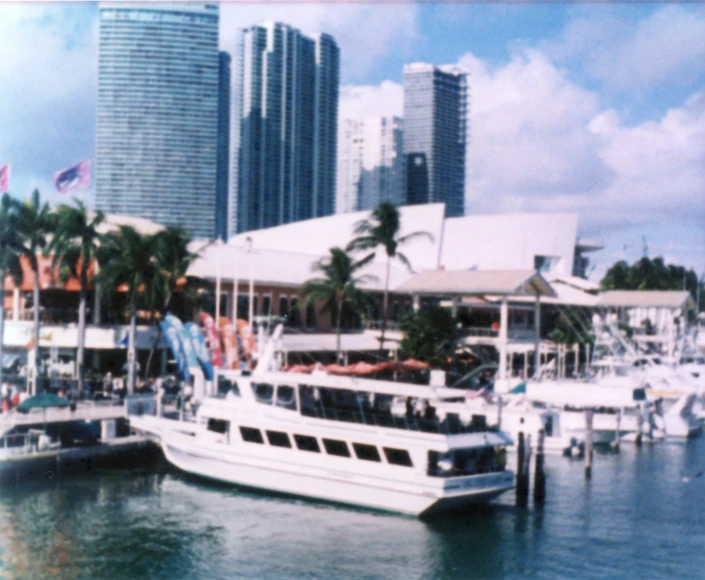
point(185, 337)
point(199, 346)
point(75, 177)
point(5, 179)
point(230, 343)
point(247, 337)
point(213, 340)
point(172, 337)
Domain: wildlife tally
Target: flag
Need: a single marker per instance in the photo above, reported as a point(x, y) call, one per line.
point(213, 340)
point(75, 177)
point(199, 346)
point(5, 179)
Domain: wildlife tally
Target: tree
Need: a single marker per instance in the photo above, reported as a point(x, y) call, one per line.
point(35, 222)
point(75, 247)
point(430, 335)
point(10, 249)
point(173, 260)
point(127, 261)
point(382, 229)
point(338, 286)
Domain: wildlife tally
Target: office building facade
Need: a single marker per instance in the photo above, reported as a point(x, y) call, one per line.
point(157, 113)
point(435, 116)
point(288, 124)
point(370, 163)
point(222, 181)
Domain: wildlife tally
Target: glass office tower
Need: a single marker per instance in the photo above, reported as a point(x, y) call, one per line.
point(157, 113)
point(435, 103)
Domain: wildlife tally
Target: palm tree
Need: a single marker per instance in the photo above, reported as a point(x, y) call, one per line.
point(338, 286)
point(35, 222)
point(127, 259)
point(75, 247)
point(10, 248)
point(173, 260)
point(382, 229)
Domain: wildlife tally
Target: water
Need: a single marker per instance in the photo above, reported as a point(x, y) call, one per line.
point(636, 517)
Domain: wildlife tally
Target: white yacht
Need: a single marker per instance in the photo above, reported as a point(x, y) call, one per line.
point(335, 439)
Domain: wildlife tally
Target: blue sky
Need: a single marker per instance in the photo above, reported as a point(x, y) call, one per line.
point(597, 109)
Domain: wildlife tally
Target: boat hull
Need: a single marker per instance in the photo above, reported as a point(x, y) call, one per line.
point(427, 497)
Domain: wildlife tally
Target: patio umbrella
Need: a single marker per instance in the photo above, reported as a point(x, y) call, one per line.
point(41, 401)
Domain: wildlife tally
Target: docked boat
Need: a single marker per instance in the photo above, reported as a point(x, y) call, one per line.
point(335, 438)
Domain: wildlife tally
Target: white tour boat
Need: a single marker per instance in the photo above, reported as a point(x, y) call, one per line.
point(335, 439)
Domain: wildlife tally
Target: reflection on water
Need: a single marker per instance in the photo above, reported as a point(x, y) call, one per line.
point(636, 516)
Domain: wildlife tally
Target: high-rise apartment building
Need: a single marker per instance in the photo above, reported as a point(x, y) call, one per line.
point(157, 113)
point(370, 163)
point(435, 112)
point(222, 182)
point(288, 126)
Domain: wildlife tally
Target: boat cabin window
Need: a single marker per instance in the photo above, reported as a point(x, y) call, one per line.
point(226, 386)
point(366, 452)
point(336, 447)
point(218, 425)
point(472, 461)
point(278, 439)
point(307, 443)
point(286, 397)
point(264, 393)
point(251, 435)
point(397, 456)
point(639, 394)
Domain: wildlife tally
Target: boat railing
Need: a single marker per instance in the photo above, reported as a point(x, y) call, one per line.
point(20, 444)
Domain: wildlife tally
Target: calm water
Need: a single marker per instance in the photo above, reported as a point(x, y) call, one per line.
point(635, 518)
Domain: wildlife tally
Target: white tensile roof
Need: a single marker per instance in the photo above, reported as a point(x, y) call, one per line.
point(646, 299)
point(142, 225)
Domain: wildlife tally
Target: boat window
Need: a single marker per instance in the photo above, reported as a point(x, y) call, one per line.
point(263, 392)
point(336, 447)
point(226, 386)
point(310, 401)
point(286, 397)
point(218, 425)
point(307, 443)
point(639, 394)
point(278, 439)
point(397, 456)
point(366, 452)
point(251, 435)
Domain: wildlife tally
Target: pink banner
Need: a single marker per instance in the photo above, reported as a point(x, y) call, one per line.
point(213, 340)
point(5, 179)
point(230, 343)
point(75, 177)
point(247, 338)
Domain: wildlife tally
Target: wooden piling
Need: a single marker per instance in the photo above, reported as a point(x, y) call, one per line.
point(640, 424)
point(522, 489)
point(618, 432)
point(539, 474)
point(588, 443)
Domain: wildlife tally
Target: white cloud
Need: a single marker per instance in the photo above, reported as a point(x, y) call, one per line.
point(365, 33)
point(668, 47)
point(358, 101)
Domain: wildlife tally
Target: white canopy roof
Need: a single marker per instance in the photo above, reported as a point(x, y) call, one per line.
point(646, 299)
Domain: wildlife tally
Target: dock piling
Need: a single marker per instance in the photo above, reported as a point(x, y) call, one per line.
point(588, 443)
point(522, 489)
point(539, 474)
point(618, 432)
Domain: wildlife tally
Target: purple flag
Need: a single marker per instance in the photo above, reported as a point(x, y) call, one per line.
point(76, 177)
point(5, 179)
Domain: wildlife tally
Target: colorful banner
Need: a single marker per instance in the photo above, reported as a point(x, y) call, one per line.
point(5, 179)
point(172, 337)
point(75, 177)
point(230, 343)
point(185, 337)
point(199, 346)
point(247, 338)
point(213, 340)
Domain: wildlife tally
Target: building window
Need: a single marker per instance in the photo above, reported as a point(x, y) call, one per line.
point(366, 452)
point(307, 443)
point(278, 439)
point(397, 456)
point(251, 435)
point(284, 306)
point(266, 305)
point(336, 447)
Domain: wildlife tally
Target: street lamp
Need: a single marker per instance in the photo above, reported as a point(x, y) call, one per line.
point(248, 241)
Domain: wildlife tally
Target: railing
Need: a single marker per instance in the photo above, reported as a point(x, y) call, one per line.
point(25, 444)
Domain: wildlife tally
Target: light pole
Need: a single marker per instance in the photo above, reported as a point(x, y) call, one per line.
point(218, 248)
point(248, 240)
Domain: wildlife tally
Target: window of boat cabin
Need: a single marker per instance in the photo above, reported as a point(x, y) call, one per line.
point(251, 435)
point(336, 447)
point(397, 456)
point(307, 443)
point(366, 452)
point(286, 397)
point(226, 386)
point(218, 425)
point(264, 393)
point(278, 439)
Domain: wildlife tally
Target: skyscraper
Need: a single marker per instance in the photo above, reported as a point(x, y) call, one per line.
point(435, 102)
point(370, 163)
point(157, 119)
point(288, 111)
point(222, 181)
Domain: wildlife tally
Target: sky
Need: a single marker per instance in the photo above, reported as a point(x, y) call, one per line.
point(597, 109)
